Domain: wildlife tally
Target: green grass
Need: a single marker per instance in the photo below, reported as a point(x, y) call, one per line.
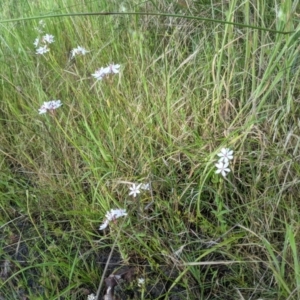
point(187, 88)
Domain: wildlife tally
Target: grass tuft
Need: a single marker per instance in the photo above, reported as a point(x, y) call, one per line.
point(187, 88)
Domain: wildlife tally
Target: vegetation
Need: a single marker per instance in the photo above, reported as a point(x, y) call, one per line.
point(186, 89)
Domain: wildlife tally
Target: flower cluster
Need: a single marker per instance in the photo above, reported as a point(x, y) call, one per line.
point(42, 44)
point(225, 156)
point(50, 106)
point(42, 47)
point(112, 215)
point(102, 72)
point(78, 50)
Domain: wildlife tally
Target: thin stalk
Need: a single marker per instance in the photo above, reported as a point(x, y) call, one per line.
point(146, 14)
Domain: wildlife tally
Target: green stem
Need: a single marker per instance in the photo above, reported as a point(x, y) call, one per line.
point(146, 14)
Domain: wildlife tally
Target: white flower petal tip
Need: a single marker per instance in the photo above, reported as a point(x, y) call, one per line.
point(102, 72)
point(103, 225)
point(112, 215)
point(225, 155)
point(222, 167)
point(135, 189)
point(49, 106)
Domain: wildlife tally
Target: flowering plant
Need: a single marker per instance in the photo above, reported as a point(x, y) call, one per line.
point(78, 50)
point(45, 40)
point(112, 215)
point(102, 72)
point(49, 106)
point(225, 156)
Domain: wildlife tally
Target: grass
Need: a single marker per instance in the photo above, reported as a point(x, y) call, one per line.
point(187, 88)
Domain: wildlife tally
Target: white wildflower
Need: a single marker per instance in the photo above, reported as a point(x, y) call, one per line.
point(42, 50)
point(111, 69)
point(49, 106)
point(91, 297)
point(225, 155)
point(104, 225)
point(112, 215)
point(48, 38)
point(141, 281)
point(222, 167)
point(79, 50)
point(115, 214)
point(135, 189)
point(145, 186)
point(100, 73)
point(114, 69)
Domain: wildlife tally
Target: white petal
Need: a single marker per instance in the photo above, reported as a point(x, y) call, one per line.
point(225, 164)
point(141, 281)
point(115, 69)
point(99, 74)
point(223, 150)
point(104, 225)
point(106, 70)
point(224, 172)
point(223, 160)
point(42, 50)
point(117, 213)
point(42, 110)
point(219, 165)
